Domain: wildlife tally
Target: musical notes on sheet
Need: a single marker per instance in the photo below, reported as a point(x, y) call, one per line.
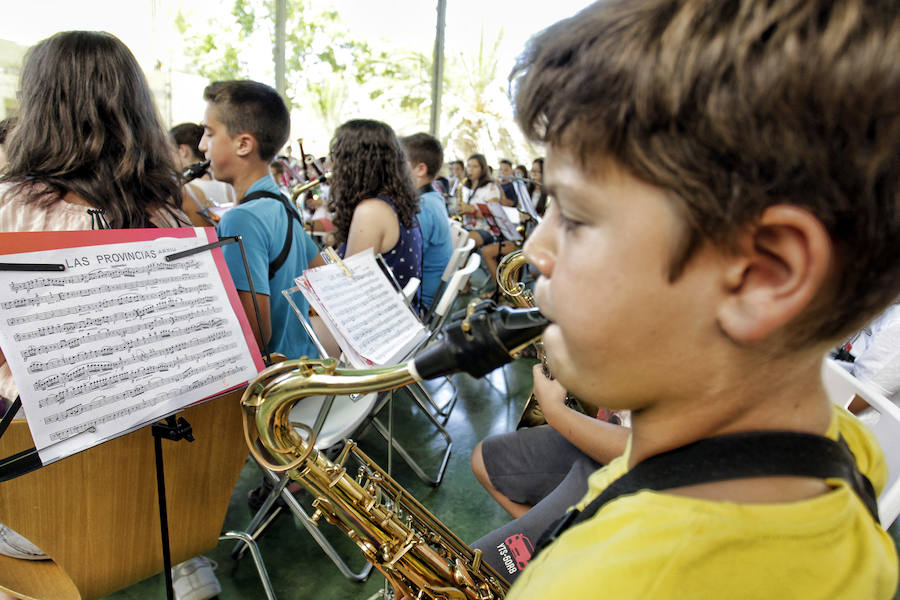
point(366, 314)
point(119, 339)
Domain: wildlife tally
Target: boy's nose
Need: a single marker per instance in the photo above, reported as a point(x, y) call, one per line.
point(539, 249)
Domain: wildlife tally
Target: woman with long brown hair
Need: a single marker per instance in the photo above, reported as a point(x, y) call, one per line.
point(87, 136)
point(87, 151)
point(373, 198)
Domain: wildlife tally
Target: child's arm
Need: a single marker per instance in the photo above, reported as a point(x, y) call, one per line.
point(600, 440)
point(374, 225)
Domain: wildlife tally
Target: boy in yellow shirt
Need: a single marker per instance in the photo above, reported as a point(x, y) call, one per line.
point(726, 176)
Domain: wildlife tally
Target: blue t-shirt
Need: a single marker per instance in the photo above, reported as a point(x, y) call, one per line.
point(437, 245)
point(262, 223)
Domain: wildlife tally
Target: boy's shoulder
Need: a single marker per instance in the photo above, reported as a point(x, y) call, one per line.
point(260, 213)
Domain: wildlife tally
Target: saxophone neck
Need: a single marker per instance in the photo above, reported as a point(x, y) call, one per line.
point(269, 398)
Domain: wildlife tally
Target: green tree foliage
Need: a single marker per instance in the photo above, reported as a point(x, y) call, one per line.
point(317, 44)
point(212, 48)
point(332, 77)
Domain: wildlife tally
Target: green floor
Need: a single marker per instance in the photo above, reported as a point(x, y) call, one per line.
point(300, 569)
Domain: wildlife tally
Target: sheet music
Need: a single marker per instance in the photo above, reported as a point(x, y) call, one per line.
point(527, 206)
point(501, 220)
point(364, 312)
point(118, 339)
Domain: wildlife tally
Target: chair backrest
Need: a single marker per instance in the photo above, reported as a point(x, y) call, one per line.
point(409, 290)
point(341, 419)
point(884, 423)
point(451, 292)
point(458, 233)
point(96, 515)
point(457, 259)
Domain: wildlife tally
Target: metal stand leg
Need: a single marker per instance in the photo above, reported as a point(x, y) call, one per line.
point(262, 519)
point(417, 394)
point(174, 429)
point(257, 558)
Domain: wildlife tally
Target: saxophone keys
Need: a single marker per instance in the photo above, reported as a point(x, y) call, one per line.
point(461, 575)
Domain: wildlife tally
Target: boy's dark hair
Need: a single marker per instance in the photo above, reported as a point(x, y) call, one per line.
point(458, 162)
point(506, 161)
point(87, 124)
point(254, 108)
point(188, 134)
point(424, 148)
point(732, 106)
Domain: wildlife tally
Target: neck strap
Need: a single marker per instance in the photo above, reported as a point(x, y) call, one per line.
point(734, 456)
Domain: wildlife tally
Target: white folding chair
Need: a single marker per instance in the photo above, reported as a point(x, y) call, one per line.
point(458, 233)
point(443, 306)
point(410, 289)
point(451, 293)
point(334, 418)
point(438, 415)
point(457, 260)
point(419, 395)
point(842, 387)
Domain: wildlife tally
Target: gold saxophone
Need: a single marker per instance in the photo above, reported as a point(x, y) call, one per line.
point(508, 282)
point(459, 198)
point(417, 553)
point(299, 188)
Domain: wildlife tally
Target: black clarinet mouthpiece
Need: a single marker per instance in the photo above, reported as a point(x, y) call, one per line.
point(484, 338)
point(194, 171)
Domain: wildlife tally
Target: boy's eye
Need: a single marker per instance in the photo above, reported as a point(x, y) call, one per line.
point(569, 224)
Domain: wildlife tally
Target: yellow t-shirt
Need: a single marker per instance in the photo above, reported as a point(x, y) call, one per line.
point(657, 545)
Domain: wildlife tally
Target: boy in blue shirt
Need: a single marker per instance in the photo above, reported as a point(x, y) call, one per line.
point(425, 159)
point(245, 124)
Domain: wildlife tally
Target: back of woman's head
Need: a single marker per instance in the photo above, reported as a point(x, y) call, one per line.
point(188, 134)
point(368, 160)
point(87, 124)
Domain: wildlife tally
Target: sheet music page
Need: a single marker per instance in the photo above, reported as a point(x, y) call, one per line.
point(503, 223)
point(527, 206)
point(349, 352)
point(367, 313)
point(118, 339)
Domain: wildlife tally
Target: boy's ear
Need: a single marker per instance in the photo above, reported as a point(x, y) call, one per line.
point(782, 262)
point(184, 151)
point(420, 169)
point(244, 144)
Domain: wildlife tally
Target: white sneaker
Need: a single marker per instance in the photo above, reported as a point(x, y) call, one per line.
point(194, 579)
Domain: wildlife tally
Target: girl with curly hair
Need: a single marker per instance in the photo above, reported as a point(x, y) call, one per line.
point(373, 198)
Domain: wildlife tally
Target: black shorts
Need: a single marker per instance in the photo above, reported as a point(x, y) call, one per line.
point(534, 466)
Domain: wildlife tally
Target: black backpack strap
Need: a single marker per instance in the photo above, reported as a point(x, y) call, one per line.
point(734, 456)
point(289, 240)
